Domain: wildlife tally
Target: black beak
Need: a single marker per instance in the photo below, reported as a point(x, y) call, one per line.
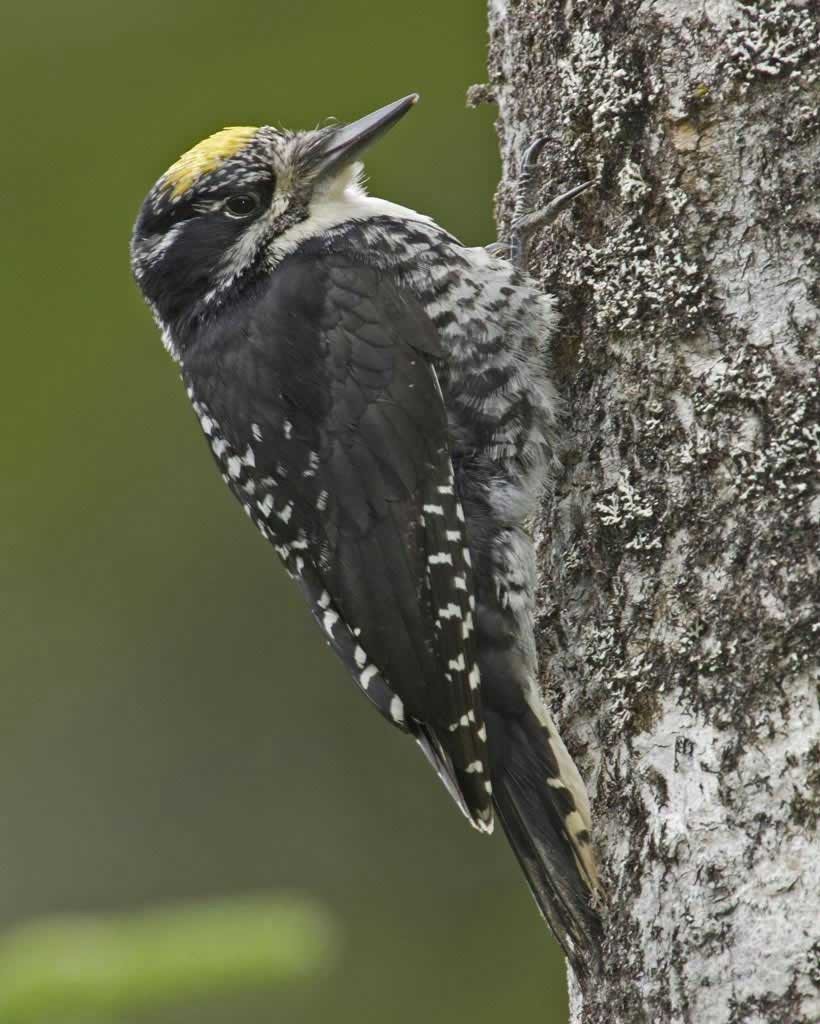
point(346, 143)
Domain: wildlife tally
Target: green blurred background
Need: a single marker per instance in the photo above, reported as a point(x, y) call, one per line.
point(172, 726)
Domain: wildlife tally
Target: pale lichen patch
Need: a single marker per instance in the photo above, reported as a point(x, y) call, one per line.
point(773, 38)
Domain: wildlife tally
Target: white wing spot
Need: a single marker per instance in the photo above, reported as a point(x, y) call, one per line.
point(313, 465)
point(324, 599)
point(452, 611)
point(367, 675)
point(457, 664)
point(474, 677)
point(287, 427)
point(454, 536)
point(433, 510)
point(360, 656)
point(234, 467)
point(256, 431)
point(329, 621)
point(397, 709)
point(442, 558)
point(475, 766)
point(285, 513)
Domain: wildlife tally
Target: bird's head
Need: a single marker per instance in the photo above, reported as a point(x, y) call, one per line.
point(226, 211)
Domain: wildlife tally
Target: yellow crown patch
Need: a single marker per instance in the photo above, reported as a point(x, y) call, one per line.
point(206, 156)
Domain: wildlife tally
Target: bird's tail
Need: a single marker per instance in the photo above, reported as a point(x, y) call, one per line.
point(543, 807)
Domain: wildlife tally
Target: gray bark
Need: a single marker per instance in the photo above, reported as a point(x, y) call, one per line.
point(678, 625)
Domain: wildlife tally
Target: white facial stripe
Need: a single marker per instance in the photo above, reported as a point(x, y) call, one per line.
point(152, 251)
point(244, 251)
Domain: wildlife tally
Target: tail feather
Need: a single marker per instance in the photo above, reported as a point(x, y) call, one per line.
point(535, 790)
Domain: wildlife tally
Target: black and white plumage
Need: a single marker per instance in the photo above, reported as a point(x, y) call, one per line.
point(377, 397)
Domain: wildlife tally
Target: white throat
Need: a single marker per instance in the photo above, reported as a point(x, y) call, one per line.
point(342, 199)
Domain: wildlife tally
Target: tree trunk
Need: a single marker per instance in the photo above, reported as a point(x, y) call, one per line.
point(678, 620)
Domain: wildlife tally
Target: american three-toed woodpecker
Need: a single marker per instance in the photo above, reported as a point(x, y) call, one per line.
point(378, 398)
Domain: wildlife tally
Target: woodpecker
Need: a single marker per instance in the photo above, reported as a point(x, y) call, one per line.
point(378, 398)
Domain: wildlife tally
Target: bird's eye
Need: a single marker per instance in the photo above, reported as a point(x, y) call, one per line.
point(242, 205)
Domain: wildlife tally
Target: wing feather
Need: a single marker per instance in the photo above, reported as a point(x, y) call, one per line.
point(354, 485)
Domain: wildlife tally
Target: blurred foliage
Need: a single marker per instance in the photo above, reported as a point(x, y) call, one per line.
point(94, 968)
point(173, 727)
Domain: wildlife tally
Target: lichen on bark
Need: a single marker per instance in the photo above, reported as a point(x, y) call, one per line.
point(677, 595)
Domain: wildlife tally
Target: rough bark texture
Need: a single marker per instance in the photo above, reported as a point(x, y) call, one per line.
point(678, 554)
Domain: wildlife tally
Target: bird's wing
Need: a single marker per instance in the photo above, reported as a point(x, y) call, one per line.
point(376, 532)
